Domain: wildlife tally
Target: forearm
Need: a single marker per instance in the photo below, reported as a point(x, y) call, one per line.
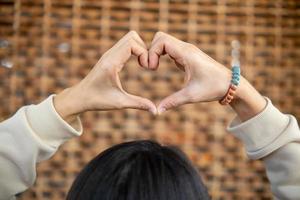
point(274, 138)
point(271, 136)
point(248, 101)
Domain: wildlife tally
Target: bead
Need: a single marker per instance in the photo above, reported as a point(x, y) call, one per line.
point(236, 78)
point(236, 68)
point(227, 102)
point(236, 74)
point(235, 82)
point(231, 93)
point(236, 71)
point(233, 87)
point(223, 103)
point(229, 98)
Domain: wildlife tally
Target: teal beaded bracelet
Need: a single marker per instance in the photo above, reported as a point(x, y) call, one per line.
point(236, 73)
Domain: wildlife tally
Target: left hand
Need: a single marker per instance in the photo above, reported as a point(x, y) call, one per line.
point(205, 79)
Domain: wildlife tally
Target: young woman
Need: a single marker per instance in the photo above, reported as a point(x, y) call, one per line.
point(149, 171)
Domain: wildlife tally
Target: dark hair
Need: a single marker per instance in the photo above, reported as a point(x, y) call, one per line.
point(139, 170)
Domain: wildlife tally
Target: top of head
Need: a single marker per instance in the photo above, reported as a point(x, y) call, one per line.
point(139, 170)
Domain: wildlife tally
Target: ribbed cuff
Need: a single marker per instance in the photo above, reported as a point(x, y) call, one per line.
point(266, 132)
point(49, 125)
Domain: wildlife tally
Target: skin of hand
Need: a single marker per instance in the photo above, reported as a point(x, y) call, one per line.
point(101, 89)
point(205, 79)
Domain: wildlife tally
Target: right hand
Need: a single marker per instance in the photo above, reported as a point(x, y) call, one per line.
point(205, 79)
point(101, 89)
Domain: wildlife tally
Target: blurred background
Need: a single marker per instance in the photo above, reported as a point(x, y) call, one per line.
point(46, 46)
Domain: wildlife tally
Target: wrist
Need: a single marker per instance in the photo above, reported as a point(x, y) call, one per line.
point(248, 101)
point(68, 104)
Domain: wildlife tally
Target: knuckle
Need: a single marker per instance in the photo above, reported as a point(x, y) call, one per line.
point(141, 105)
point(133, 103)
point(171, 103)
point(189, 47)
point(133, 34)
point(189, 50)
point(131, 41)
point(159, 35)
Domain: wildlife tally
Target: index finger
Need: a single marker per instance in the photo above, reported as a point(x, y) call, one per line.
point(131, 44)
point(162, 44)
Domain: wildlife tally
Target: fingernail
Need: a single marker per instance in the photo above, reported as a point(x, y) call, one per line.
point(153, 111)
point(161, 110)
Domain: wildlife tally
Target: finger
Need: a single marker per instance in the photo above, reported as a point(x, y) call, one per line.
point(155, 51)
point(153, 60)
point(143, 58)
point(131, 101)
point(164, 44)
point(141, 53)
point(131, 44)
point(177, 99)
point(139, 40)
point(136, 102)
point(128, 48)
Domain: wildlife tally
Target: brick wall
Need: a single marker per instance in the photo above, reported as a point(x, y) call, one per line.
point(48, 45)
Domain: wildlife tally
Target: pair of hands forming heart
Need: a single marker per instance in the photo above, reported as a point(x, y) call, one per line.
point(205, 79)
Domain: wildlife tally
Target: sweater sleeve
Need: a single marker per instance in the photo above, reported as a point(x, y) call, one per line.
point(32, 135)
point(273, 137)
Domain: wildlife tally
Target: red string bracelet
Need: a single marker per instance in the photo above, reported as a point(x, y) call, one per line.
point(229, 95)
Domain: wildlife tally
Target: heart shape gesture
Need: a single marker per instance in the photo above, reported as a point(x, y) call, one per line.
point(101, 89)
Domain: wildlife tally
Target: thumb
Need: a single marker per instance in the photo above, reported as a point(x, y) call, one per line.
point(177, 99)
point(140, 103)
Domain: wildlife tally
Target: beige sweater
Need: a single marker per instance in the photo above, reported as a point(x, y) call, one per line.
point(35, 132)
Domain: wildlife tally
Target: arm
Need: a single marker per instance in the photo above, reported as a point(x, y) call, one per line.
point(271, 136)
point(32, 135)
point(267, 133)
point(35, 132)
